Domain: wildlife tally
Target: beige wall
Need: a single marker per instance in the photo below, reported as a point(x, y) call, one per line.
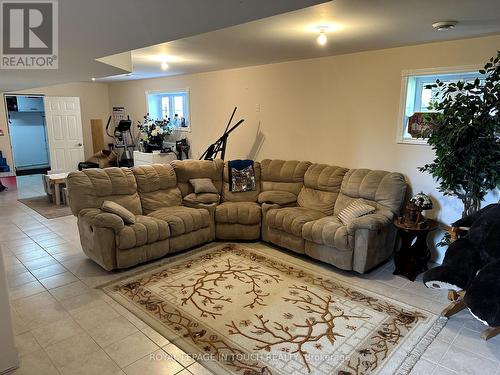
point(94, 103)
point(340, 110)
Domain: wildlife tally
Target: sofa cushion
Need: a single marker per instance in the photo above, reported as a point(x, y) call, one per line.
point(247, 213)
point(278, 197)
point(383, 189)
point(291, 219)
point(328, 231)
point(182, 219)
point(189, 169)
point(91, 187)
point(321, 187)
point(146, 230)
point(157, 186)
point(285, 175)
point(117, 209)
point(204, 198)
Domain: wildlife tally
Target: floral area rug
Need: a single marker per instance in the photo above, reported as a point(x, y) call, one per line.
point(239, 311)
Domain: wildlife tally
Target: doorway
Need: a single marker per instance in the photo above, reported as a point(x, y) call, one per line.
point(65, 133)
point(45, 136)
point(28, 134)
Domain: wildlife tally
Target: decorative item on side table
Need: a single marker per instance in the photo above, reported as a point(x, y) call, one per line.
point(154, 134)
point(413, 228)
point(418, 203)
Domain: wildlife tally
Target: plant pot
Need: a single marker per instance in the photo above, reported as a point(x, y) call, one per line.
point(150, 147)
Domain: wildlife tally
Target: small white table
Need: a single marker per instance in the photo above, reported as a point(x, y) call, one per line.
point(57, 179)
point(146, 158)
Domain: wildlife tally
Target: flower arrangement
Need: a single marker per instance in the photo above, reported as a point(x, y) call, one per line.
point(418, 203)
point(154, 132)
point(422, 201)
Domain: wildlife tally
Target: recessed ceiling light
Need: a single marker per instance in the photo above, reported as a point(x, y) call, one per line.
point(444, 25)
point(164, 65)
point(93, 79)
point(322, 38)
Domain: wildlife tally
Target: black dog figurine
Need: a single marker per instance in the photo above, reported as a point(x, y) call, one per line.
point(472, 264)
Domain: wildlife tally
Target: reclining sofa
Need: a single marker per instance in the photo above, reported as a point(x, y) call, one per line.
point(295, 205)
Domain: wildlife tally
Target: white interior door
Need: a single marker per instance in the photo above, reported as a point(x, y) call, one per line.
point(64, 131)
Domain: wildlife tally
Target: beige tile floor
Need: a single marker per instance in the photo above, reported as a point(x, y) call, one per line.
point(65, 326)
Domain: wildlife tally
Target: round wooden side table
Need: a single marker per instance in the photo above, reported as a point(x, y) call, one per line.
point(412, 257)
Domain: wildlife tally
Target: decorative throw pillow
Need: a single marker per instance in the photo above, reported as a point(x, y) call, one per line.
point(356, 209)
point(203, 185)
point(242, 180)
point(117, 209)
point(205, 198)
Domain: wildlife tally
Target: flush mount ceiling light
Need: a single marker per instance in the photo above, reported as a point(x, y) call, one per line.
point(164, 65)
point(444, 25)
point(322, 39)
point(158, 57)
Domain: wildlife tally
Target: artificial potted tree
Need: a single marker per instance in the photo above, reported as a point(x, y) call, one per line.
point(465, 136)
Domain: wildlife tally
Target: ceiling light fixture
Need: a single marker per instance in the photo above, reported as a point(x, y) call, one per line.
point(164, 65)
point(322, 39)
point(93, 79)
point(444, 25)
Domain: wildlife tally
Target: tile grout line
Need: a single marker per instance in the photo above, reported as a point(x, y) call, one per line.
point(467, 350)
point(44, 223)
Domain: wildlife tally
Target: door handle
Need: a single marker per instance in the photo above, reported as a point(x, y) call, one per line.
point(79, 145)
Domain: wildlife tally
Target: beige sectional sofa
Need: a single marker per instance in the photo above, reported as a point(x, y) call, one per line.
point(295, 206)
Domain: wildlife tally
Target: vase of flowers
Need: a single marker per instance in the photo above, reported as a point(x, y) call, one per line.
point(418, 203)
point(153, 133)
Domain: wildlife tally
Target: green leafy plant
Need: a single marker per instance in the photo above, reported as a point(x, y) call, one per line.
point(465, 136)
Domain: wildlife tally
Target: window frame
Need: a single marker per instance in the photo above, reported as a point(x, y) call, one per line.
point(403, 104)
point(187, 100)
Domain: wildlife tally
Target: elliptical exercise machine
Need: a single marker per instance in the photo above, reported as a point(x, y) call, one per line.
point(123, 139)
point(219, 146)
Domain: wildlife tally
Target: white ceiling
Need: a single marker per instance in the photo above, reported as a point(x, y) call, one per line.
point(89, 29)
point(355, 25)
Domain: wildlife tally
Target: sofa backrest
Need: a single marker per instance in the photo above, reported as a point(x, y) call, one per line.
point(385, 190)
point(246, 196)
point(321, 187)
point(283, 175)
point(188, 169)
point(157, 186)
point(90, 187)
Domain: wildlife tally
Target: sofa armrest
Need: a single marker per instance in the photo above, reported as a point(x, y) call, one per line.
point(374, 238)
point(210, 207)
point(98, 218)
point(202, 198)
point(207, 206)
point(283, 198)
point(374, 221)
point(268, 206)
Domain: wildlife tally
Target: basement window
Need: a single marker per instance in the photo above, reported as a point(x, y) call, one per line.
point(416, 98)
point(170, 105)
